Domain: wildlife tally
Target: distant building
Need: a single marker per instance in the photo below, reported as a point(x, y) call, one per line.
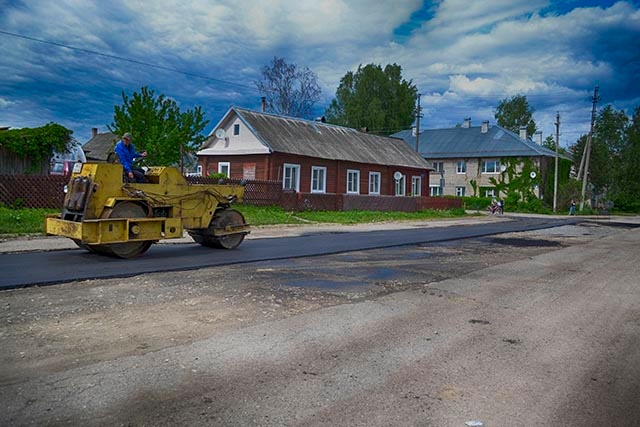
point(97, 149)
point(469, 154)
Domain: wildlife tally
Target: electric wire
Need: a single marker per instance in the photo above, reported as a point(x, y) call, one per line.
point(121, 58)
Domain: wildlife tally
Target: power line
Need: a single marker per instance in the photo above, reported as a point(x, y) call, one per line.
point(120, 58)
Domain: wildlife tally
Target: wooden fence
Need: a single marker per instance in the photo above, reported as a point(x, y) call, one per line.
point(47, 191)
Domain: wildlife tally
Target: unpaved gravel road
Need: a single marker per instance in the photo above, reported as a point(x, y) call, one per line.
point(526, 329)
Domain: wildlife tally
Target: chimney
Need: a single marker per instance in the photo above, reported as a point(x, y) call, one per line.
point(523, 132)
point(537, 137)
point(485, 126)
point(263, 104)
point(466, 123)
point(94, 132)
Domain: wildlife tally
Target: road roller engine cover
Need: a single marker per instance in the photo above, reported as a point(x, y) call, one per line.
point(106, 215)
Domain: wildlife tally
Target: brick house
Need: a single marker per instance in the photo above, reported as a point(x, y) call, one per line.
point(465, 156)
point(312, 156)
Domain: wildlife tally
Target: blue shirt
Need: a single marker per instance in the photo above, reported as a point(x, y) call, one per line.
point(126, 155)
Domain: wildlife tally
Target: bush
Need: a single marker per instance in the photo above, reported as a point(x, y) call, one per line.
point(476, 203)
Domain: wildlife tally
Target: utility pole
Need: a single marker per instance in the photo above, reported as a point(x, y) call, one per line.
point(555, 175)
point(418, 115)
point(587, 148)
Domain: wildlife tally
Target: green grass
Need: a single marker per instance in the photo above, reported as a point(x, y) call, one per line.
point(23, 221)
point(31, 221)
point(276, 215)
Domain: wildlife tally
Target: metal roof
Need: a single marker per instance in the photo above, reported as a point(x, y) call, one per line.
point(470, 142)
point(325, 141)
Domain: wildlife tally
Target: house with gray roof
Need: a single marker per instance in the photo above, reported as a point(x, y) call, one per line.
point(466, 158)
point(312, 156)
point(98, 148)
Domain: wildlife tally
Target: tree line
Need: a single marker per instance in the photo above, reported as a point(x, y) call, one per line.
point(376, 99)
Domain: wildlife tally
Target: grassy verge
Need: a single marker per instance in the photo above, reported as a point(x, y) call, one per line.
point(276, 215)
point(23, 221)
point(31, 221)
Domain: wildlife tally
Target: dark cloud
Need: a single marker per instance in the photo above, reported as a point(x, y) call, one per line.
point(463, 56)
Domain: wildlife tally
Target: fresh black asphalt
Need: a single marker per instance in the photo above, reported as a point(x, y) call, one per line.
point(46, 268)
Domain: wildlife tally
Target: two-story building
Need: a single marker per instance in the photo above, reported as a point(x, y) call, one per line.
point(466, 158)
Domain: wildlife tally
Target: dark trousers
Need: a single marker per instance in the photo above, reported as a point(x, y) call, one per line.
point(138, 175)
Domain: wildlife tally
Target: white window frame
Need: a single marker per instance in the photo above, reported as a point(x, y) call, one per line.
point(236, 129)
point(351, 174)
point(416, 186)
point(318, 183)
point(496, 166)
point(461, 167)
point(375, 178)
point(401, 186)
point(435, 191)
point(461, 191)
point(225, 165)
point(489, 192)
point(438, 166)
point(287, 168)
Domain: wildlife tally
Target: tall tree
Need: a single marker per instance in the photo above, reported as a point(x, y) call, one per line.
point(607, 146)
point(550, 143)
point(158, 126)
point(289, 90)
point(373, 98)
point(627, 189)
point(515, 112)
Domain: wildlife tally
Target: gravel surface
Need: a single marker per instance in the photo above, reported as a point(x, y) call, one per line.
point(536, 328)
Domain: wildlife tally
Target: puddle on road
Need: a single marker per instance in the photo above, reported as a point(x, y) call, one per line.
point(324, 284)
point(521, 243)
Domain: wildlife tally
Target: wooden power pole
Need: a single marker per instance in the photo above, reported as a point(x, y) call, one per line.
point(587, 149)
point(418, 115)
point(555, 175)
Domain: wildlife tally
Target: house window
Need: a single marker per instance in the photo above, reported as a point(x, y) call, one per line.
point(438, 166)
point(491, 166)
point(318, 179)
point(374, 182)
point(225, 168)
point(353, 181)
point(461, 167)
point(400, 186)
point(291, 178)
point(460, 191)
point(236, 129)
point(435, 190)
point(416, 186)
point(488, 191)
point(199, 170)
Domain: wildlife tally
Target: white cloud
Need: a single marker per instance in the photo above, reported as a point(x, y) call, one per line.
point(4, 103)
point(466, 57)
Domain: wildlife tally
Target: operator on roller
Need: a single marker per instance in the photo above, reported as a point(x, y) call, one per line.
point(126, 154)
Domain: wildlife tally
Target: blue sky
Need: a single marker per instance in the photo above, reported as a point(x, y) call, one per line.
point(464, 56)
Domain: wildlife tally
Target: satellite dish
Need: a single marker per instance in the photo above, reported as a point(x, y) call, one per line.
point(220, 133)
point(397, 176)
point(503, 168)
point(532, 175)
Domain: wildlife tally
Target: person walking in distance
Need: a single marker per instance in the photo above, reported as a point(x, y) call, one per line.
point(572, 207)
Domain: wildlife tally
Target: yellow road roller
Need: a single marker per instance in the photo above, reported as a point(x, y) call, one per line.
point(107, 215)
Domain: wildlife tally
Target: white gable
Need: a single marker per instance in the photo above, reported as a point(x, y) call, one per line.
point(237, 139)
